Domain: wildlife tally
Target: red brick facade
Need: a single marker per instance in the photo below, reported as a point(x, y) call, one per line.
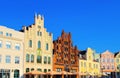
point(65, 56)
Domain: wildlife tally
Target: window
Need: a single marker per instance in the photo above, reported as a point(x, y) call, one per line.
point(10, 35)
point(39, 59)
point(112, 60)
point(27, 57)
point(8, 59)
point(90, 65)
point(108, 67)
point(103, 60)
point(47, 46)
point(49, 70)
point(39, 33)
point(58, 69)
point(39, 69)
point(0, 58)
point(84, 64)
point(16, 74)
point(0, 44)
point(17, 60)
point(89, 57)
point(7, 34)
point(17, 46)
point(94, 66)
point(39, 26)
point(27, 69)
point(81, 64)
point(117, 60)
point(39, 44)
point(49, 60)
point(8, 45)
point(66, 49)
point(45, 60)
point(1, 33)
point(32, 58)
point(30, 43)
point(45, 70)
point(32, 69)
point(108, 61)
point(5, 73)
point(97, 60)
point(112, 66)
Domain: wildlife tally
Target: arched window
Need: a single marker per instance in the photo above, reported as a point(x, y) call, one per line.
point(45, 60)
point(47, 46)
point(49, 60)
point(39, 44)
point(39, 33)
point(32, 69)
point(27, 57)
point(45, 70)
point(39, 70)
point(39, 59)
point(32, 58)
point(27, 69)
point(30, 43)
point(16, 74)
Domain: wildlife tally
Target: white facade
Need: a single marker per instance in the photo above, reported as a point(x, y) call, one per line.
point(11, 53)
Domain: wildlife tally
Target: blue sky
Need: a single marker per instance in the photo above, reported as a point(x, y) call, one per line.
point(93, 23)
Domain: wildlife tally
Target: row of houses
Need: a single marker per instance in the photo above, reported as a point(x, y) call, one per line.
point(32, 53)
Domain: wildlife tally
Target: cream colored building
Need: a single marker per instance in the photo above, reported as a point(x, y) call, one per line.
point(38, 47)
point(11, 53)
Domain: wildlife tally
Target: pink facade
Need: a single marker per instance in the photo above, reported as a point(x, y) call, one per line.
point(107, 62)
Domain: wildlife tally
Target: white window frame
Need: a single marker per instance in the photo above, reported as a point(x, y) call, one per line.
point(17, 46)
point(8, 45)
point(18, 59)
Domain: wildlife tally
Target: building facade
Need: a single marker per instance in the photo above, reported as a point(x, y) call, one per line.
point(38, 47)
point(117, 64)
point(11, 53)
point(107, 64)
point(65, 56)
point(88, 66)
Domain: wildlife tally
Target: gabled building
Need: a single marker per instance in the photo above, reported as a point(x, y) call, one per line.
point(38, 47)
point(88, 66)
point(65, 56)
point(108, 64)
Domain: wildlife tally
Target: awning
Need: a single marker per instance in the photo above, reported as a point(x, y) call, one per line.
point(35, 72)
point(75, 73)
point(54, 73)
point(104, 74)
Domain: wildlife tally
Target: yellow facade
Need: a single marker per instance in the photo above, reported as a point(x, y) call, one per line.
point(38, 43)
point(117, 59)
point(89, 66)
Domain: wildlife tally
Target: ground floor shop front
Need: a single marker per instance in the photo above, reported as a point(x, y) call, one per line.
point(53, 74)
point(8, 73)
